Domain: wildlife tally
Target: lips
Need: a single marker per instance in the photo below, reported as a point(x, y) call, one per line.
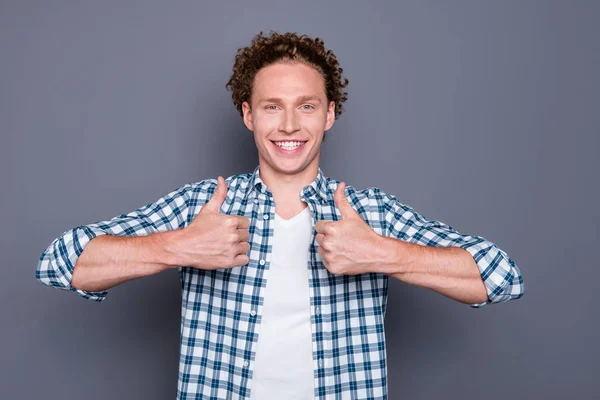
point(290, 147)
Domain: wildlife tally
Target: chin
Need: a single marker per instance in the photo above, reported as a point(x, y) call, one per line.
point(289, 168)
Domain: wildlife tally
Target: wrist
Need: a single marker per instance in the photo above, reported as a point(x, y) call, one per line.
point(166, 248)
point(397, 254)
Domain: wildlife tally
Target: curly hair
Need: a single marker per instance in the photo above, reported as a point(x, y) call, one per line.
point(287, 47)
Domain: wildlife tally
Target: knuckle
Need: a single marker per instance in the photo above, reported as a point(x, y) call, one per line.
point(229, 222)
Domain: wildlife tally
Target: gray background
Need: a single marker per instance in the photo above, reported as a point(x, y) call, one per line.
point(482, 114)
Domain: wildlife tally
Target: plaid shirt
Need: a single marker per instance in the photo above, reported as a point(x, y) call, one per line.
point(221, 309)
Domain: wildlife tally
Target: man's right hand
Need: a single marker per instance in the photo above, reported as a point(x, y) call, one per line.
point(213, 240)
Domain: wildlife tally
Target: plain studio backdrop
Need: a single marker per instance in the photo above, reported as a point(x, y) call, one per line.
point(482, 114)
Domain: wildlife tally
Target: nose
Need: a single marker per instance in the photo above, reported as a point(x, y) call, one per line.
point(289, 122)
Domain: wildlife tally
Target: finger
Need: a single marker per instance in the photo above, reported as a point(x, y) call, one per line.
point(321, 225)
point(322, 252)
point(325, 243)
point(214, 204)
point(342, 202)
point(242, 248)
point(241, 260)
point(320, 238)
point(243, 234)
point(241, 222)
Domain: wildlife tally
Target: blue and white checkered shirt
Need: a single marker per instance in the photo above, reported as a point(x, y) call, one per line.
point(221, 309)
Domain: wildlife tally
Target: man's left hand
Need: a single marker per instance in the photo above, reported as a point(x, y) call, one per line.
point(349, 246)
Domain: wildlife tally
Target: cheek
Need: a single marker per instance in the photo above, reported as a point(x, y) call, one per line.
point(316, 121)
point(315, 125)
point(265, 123)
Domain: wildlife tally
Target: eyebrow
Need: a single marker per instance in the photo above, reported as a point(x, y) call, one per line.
point(299, 99)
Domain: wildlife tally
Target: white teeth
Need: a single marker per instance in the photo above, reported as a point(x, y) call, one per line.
point(289, 145)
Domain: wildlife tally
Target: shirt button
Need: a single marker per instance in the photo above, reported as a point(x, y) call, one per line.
point(262, 262)
point(246, 363)
point(317, 311)
point(253, 313)
point(320, 362)
point(255, 201)
point(266, 216)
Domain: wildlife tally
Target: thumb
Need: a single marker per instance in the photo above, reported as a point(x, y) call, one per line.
point(342, 202)
point(214, 204)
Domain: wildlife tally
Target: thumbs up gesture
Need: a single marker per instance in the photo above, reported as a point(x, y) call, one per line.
point(348, 246)
point(213, 240)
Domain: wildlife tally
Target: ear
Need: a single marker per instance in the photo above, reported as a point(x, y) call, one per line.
point(330, 116)
point(247, 116)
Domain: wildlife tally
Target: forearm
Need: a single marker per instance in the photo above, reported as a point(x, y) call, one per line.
point(108, 260)
point(450, 271)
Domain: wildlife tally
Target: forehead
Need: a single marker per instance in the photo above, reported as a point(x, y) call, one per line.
point(288, 81)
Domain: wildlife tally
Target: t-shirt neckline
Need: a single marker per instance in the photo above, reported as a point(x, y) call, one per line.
point(292, 220)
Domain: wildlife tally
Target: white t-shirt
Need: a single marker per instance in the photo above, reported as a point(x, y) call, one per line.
point(284, 363)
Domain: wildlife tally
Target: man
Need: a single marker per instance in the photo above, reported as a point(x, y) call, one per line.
point(284, 271)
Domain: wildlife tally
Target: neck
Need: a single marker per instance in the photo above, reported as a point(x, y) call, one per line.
point(286, 187)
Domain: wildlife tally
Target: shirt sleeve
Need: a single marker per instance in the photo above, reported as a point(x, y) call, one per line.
point(500, 274)
point(56, 264)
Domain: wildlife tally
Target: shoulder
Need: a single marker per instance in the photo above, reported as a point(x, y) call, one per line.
point(373, 204)
point(371, 194)
point(202, 191)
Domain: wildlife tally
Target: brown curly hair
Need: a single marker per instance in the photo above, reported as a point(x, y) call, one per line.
point(287, 47)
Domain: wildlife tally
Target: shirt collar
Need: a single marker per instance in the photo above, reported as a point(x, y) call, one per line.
point(316, 189)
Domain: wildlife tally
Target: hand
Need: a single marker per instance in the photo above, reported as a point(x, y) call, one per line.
point(213, 240)
point(348, 246)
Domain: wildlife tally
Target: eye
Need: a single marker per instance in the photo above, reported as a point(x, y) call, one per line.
point(308, 105)
point(274, 107)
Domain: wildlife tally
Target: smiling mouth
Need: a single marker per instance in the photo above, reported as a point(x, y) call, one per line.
point(289, 145)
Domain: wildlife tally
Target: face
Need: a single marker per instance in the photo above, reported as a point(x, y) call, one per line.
point(289, 115)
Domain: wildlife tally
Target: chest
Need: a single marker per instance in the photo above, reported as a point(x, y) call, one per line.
point(329, 293)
